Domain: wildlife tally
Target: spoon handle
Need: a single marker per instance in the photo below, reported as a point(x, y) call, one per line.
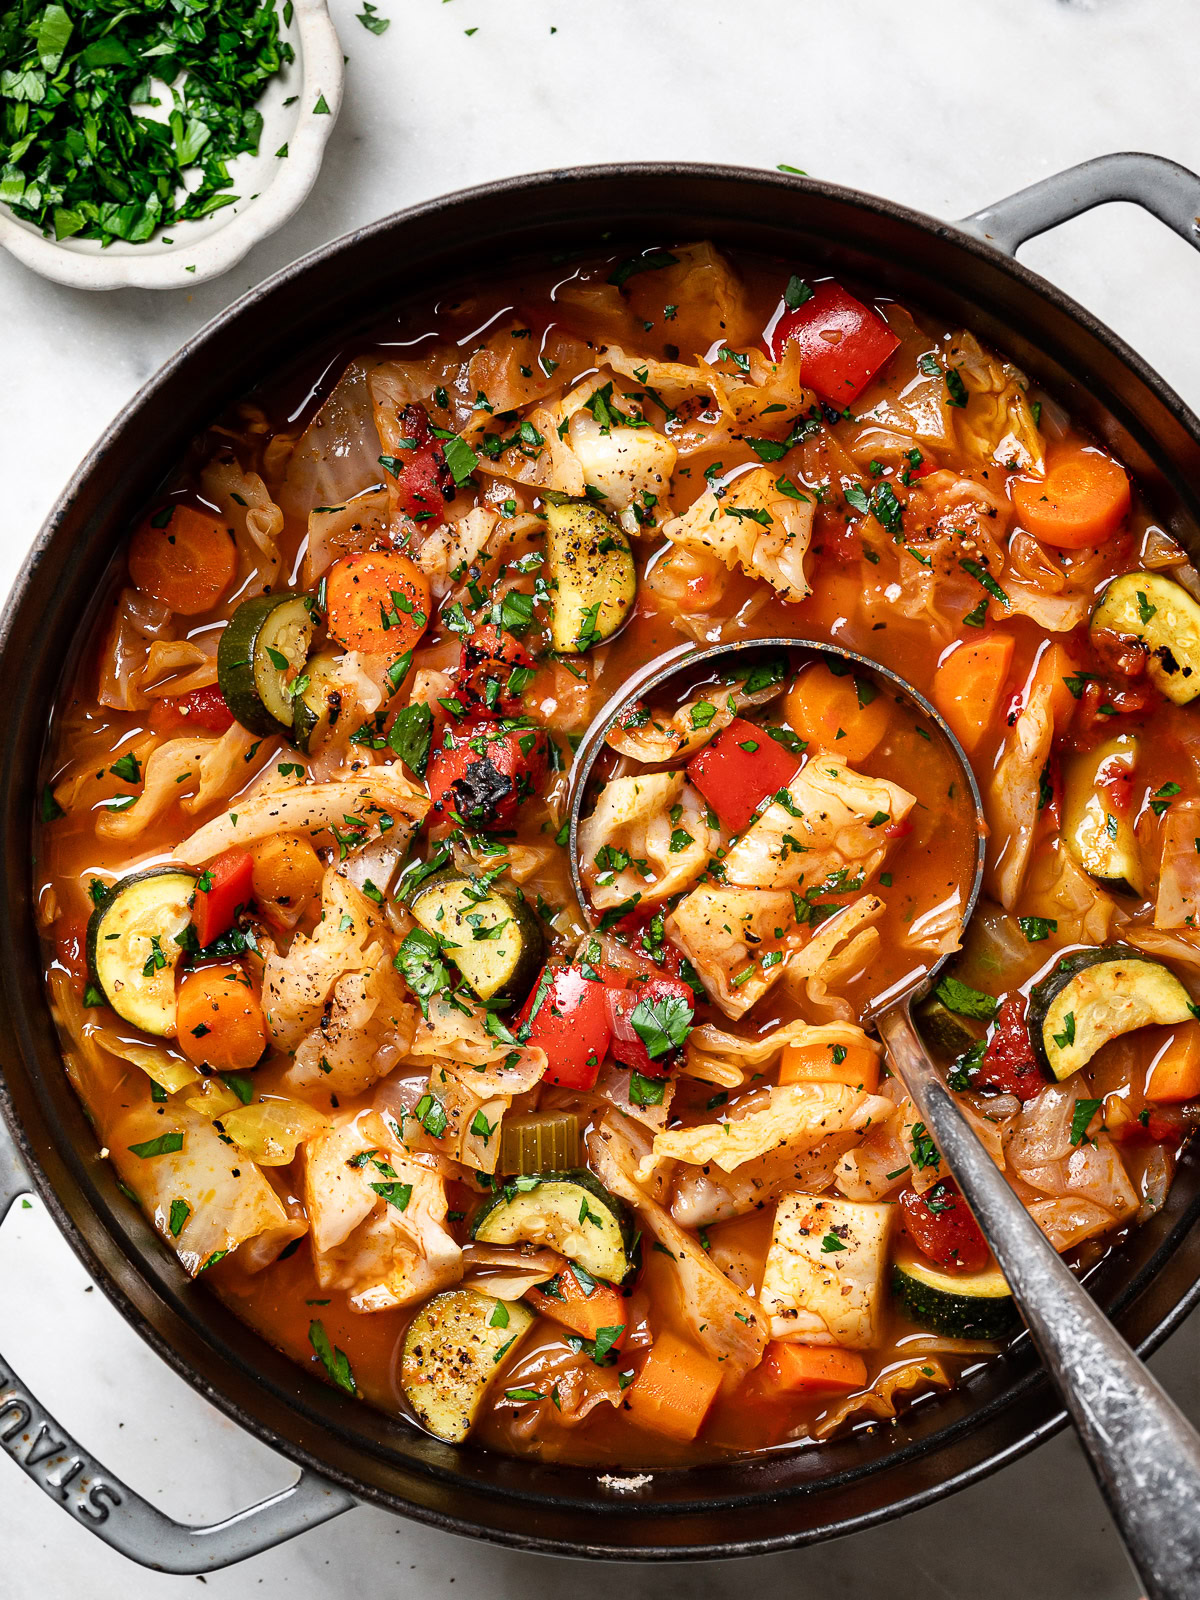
point(1143, 1451)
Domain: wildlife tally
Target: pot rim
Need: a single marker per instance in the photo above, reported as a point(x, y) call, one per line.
point(1033, 1383)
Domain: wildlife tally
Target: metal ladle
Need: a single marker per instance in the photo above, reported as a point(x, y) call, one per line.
point(1143, 1451)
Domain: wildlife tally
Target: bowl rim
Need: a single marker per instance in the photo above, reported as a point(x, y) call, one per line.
point(1152, 1325)
point(184, 263)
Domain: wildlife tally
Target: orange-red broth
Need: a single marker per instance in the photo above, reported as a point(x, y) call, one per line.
point(845, 607)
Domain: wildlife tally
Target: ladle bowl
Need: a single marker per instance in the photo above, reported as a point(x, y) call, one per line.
point(1143, 1451)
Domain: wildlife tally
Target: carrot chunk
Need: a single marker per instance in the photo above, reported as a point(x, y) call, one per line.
point(854, 1064)
point(219, 1020)
point(1175, 1071)
point(377, 601)
point(675, 1388)
point(584, 1310)
point(286, 873)
point(1083, 500)
point(969, 683)
point(843, 714)
point(814, 1367)
point(183, 557)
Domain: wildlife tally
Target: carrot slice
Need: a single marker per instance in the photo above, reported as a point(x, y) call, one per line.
point(584, 1311)
point(815, 1367)
point(854, 1064)
point(1083, 500)
point(377, 601)
point(968, 684)
point(286, 873)
point(183, 557)
point(218, 1018)
point(844, 714)
point(1175, 1071)
point(675, 1388)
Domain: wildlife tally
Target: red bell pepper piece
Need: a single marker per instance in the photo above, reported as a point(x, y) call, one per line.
point(942, 1228)
point(222, 889)
point(627, 1046)
point(567, 1014)
point(740, 767)
point(202, 709)
point(423, 480)
point(1009, 1063)
point(485, 772)
point(486, 668)
point(842, 343)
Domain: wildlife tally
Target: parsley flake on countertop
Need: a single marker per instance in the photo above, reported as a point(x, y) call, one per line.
point(104, 108)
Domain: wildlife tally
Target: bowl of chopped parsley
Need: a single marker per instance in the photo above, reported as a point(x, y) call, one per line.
point(151, 146)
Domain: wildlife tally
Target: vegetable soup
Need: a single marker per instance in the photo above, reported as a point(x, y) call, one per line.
point(629, 1182)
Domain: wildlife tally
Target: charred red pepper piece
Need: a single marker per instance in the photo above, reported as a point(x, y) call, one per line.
point(940, 1225)
point(203, 709)
point(741, 766)
point(485, 771)
point(493, 672)
point(1009, 1064)
point(567, 1016)
point(423, 480)
point(222, 889)
point(627, 1046)
point(842, 343)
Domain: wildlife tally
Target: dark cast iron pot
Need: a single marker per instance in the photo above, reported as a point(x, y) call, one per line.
point(964, 273)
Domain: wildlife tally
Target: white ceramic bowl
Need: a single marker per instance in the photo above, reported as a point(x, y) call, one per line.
point(273, 187)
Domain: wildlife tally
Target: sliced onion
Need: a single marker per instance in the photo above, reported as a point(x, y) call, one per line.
point(1156, 1180)
point(171, 1073)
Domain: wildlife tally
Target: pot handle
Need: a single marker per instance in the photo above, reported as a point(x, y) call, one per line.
point(1162, 187)
point(62, 1468)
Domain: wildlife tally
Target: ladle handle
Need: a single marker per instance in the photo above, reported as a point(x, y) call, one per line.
point(1144, 1452)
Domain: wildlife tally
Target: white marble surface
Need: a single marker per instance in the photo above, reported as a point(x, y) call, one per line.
point(944, 104)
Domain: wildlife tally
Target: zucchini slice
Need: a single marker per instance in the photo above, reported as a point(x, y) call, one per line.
point(958, 1305)
point(591, 573)
point(265, 640)
point(1163, 615)
point(493, 938)
point(316, 709)
point(1093, 996)
point(1103, 843)
point(572, 1212)
point(452, 1351)
point(947, 1031)
point(131, 948)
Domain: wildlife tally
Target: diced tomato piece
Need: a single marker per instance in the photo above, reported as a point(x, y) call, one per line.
point(940, 1225)
point(740, 767)
point(1101, 702)
point(202, 709)
point(584, 1310)
point(899, 830)
point(70, 946)
point(485, 772)
point(627, 1046)
point(842, 343)
point(423, 480)
point(1009, 1064)
point(1154, 1125)
point(222, 889)
point(568, 1018)
point(486, 683)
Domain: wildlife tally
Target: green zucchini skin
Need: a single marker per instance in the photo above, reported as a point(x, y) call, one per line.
point(591, 572)
point(553, 1214)
point(975, 1305)
point(1075, 1003)
point(947, 1031)
point(1103, 844)
point(1167, 621)
point(496, 969)
point(154, 902)
point(253, 685)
